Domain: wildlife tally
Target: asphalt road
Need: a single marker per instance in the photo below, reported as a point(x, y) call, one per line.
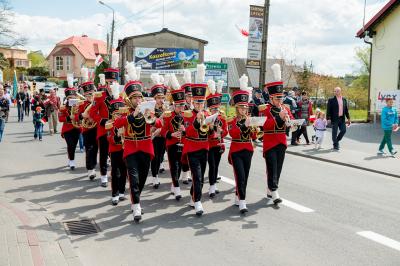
point(331, 215)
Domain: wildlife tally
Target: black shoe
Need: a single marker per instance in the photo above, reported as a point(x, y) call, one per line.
point(92, 177)
point(137, 218)
point(114, 202)
point(294, 144)
point(212, 195)
point(162, 170)
point(277, 201)
point(185, 182)
point(243, 211)
point(178, 198)
point(199, 213)
point(156, 186)
point(104, 184)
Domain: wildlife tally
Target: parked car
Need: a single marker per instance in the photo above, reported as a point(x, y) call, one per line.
point(50, 85)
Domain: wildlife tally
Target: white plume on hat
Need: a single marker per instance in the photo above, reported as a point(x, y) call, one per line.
point(138, 72)
point(115, 89)
point(131, 71)
point(187, 76)
point(174, 82)
point(156, 78)
point(220, 85)
point(70, 80)
point(201, 73)
point(102, 79)
point(162, 79)
point(243, 81)
point(167, 79)
point(84, 74)
point(276, 71)
point(250, 91)
point(115, 60)
point(211, 86)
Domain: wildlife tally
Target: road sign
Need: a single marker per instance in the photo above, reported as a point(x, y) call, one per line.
point(217, 71)
point(225, 98)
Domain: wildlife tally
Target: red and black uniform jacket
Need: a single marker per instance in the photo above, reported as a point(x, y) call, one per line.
point(100, 112)
point(137, 134)
point(115, 142)
point(213, 138)
point(274, 127)
point(241, 135)
point(195, 139)
point(172, 123)
point(64, 117)
point(78, 116)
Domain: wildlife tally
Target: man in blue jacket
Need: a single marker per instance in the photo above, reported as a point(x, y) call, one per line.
point(389, 123)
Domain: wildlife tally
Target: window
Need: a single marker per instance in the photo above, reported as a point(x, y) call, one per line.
point(68, 63)
point(59, 63)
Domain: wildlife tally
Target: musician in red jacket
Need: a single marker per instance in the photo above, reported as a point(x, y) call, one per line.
point(115, 149)
point(274, 140)
point(138, 147)
point(216, 138)
point(158, 92)
point(241, 150)
point(173, 130)
point(70, 129)
point(100, 112)
point(89, 129)
point(196, 143)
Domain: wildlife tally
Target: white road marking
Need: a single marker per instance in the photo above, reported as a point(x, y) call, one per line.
point(380, 239)
point(285, 202)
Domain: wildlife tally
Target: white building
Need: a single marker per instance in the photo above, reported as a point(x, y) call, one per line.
point(384, 29)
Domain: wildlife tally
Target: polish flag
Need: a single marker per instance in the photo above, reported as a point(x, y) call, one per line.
point(244, 32)
point(99, 60)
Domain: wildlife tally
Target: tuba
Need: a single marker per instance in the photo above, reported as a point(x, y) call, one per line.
point(88, 122)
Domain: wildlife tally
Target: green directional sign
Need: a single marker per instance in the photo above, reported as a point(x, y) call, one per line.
point(225, 98)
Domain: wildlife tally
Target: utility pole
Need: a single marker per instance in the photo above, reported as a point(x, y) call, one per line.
point(112, 29)
point(264, 45)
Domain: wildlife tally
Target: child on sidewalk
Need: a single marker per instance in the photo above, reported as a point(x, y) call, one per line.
point(389, 123)
point(317, 111)
point(320, 128)
point(38, 123)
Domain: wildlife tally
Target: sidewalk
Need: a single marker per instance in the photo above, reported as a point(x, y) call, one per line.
point(358, 149)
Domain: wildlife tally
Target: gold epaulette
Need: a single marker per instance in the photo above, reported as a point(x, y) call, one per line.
point(167, 114)
point(188, 113)
point(262, 107)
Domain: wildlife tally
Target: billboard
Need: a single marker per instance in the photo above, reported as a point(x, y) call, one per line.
point(382, 95)
point(255, 36)
point(217, 71)
point(166, 60)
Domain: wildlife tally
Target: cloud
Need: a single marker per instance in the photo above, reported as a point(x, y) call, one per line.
point(319, 30)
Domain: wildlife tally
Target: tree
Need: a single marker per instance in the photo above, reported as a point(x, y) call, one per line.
point(37, 59)
point(8, 37)
point(3, 62)
point(99, 70)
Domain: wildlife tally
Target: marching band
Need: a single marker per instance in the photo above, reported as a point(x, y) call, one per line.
point(185, 121)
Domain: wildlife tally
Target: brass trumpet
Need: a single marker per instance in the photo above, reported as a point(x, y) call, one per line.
point(203, 126)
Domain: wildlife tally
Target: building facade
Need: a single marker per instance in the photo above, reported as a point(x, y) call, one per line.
point(16, 57)
point(69, 55)
point(384, 29)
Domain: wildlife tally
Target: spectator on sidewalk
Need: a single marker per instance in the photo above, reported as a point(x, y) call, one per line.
point(320, 128)
point(27, 105)
point(256, 101)
point(336, 112)
point(38, 123)
point(305, 110)
point(291, 103)
point(7, 95)
point(389, 123)
point(21, 103)
point(4, 107)
point(52, 106)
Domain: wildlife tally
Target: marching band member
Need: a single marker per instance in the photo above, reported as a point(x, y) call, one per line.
point(241, 149)
point(158, 92)
point(274, 141)
point(70, 129)
point(173, 130)
point(115, 148)
point(138, 147)
point(196, 144)
point(100, 113)
point(187, 76)
point(216, 139)
point(89, 129)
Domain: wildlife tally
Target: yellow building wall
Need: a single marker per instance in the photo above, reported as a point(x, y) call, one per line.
point(385, 56)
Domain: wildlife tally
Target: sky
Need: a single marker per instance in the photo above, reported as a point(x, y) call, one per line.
point(318, 31)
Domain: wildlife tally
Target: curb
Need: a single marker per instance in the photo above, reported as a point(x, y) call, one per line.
point(342, 164)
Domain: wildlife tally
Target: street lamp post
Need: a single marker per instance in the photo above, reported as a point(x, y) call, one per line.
point(112, 30)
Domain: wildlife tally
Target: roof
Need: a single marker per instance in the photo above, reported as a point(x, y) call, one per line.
point(237, 67)
point(88, 47)
point(381, 15)
point(164, 30)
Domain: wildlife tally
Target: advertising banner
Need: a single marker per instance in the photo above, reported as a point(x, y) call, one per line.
point(255, 36)
point(166, 60)
point(382, 95)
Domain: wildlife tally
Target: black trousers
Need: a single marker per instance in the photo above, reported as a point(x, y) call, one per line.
point(103, 150)
point(175, 165)
point(274, 160)
point(197, 165)
point(214, 158)
point(303, 131)
point(118, 173)
point(138, 165)
point(91, 148)
point(159, 151)
point(27, 108)
point(341, 125)
point(241, 162)
point(71, 138)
